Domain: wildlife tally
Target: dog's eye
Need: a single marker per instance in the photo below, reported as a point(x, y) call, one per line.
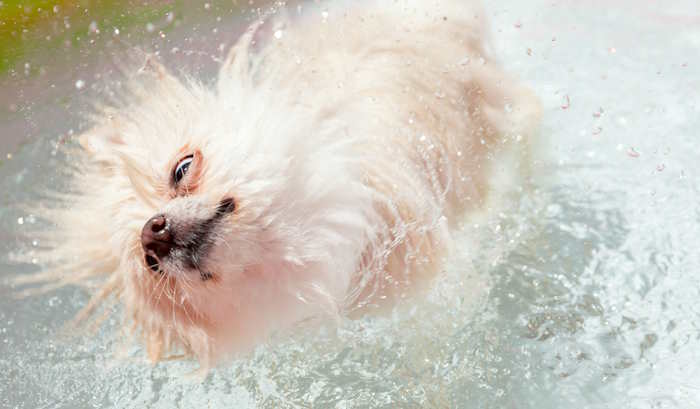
point(182, 167)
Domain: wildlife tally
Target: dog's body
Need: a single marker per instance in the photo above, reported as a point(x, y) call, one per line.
point(323, 174)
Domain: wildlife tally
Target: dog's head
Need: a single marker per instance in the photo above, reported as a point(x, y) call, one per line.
point(216, 218)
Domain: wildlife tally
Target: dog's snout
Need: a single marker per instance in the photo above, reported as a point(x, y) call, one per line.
point(157, 241)
point(157, 231)
point(157, 224)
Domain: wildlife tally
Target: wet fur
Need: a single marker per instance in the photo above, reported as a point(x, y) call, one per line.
point(352, 147)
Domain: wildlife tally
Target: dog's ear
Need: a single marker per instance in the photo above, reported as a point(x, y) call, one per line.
point(101, 140)
point(236, 66)
point(240, 63)
point(153, 68)
point(144, 75)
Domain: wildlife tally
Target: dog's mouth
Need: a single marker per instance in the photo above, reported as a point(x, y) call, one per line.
point(169, 246)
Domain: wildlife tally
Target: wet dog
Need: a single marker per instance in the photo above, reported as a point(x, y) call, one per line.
point(320, 176)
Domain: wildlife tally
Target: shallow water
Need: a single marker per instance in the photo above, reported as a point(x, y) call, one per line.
point(582, 293)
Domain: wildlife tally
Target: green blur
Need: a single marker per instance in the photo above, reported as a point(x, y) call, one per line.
point(31, 29)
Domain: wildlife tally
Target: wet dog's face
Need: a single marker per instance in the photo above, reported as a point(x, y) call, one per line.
point(178, 240)
point(214, 219)
point(193, 227)
point(214, 213)
point(199, 213)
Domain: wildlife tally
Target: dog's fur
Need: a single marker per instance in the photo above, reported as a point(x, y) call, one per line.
point(351, 144)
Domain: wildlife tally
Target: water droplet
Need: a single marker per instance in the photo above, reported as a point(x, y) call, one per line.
point(279, 34)
point(79, 84)
point(324, 14)
point(35, 243)
point(567, 102)
point(207, 6)
point(93, 29)
point(116, 31)
point(20, 220)
point(150, 27)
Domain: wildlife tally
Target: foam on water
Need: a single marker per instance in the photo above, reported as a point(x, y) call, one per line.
point(580, 293)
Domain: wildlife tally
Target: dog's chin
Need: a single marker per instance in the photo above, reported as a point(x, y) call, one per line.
point(188, 268)
point(178, 294)
point(186, 263)
point(211, 309)
point(187, 274)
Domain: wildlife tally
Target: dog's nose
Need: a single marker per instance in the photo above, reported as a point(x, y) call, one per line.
point(157, 241)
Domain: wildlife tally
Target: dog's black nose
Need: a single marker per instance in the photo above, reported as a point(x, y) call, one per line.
point(157, 241)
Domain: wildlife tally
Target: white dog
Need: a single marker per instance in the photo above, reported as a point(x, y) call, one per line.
point(321, 175)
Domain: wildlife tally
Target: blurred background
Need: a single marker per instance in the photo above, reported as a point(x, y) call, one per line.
point(54, 51)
